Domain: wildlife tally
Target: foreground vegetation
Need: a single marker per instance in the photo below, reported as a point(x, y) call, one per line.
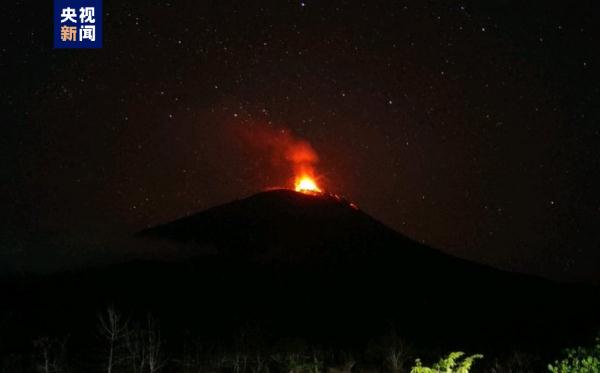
point(578, 360)
point(123, 346)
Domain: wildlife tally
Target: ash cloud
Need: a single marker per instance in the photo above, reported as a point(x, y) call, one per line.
point(280, 147)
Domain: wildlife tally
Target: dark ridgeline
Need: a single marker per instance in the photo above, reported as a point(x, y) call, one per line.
point(307, 266)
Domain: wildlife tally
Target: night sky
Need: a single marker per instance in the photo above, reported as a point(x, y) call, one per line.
point(470, 126)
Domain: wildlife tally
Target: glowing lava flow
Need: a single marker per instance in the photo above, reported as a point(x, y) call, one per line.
point(306, 184)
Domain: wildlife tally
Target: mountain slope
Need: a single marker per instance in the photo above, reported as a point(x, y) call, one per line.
point(324, 248)
point(283, 226)
point(315, 232)
point(310, 266)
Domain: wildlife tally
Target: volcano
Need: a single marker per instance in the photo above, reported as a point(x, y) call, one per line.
point(318, 260)
point(287, 228)
point(311, 265)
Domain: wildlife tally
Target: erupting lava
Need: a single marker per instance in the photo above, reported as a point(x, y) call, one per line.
point(297, 156)
point(306, 184)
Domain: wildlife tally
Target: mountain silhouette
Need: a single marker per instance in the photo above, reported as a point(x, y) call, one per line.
point(284, 227)
point(304, 265)
point(322, 250)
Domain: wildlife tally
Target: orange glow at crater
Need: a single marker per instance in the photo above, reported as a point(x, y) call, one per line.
point(306, 184)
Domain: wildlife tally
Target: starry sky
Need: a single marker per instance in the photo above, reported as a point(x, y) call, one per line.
point(470, 126)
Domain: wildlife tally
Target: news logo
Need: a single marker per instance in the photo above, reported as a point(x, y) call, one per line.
point(78, 24)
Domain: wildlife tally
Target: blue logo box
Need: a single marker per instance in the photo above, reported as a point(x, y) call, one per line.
point(78, 24)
